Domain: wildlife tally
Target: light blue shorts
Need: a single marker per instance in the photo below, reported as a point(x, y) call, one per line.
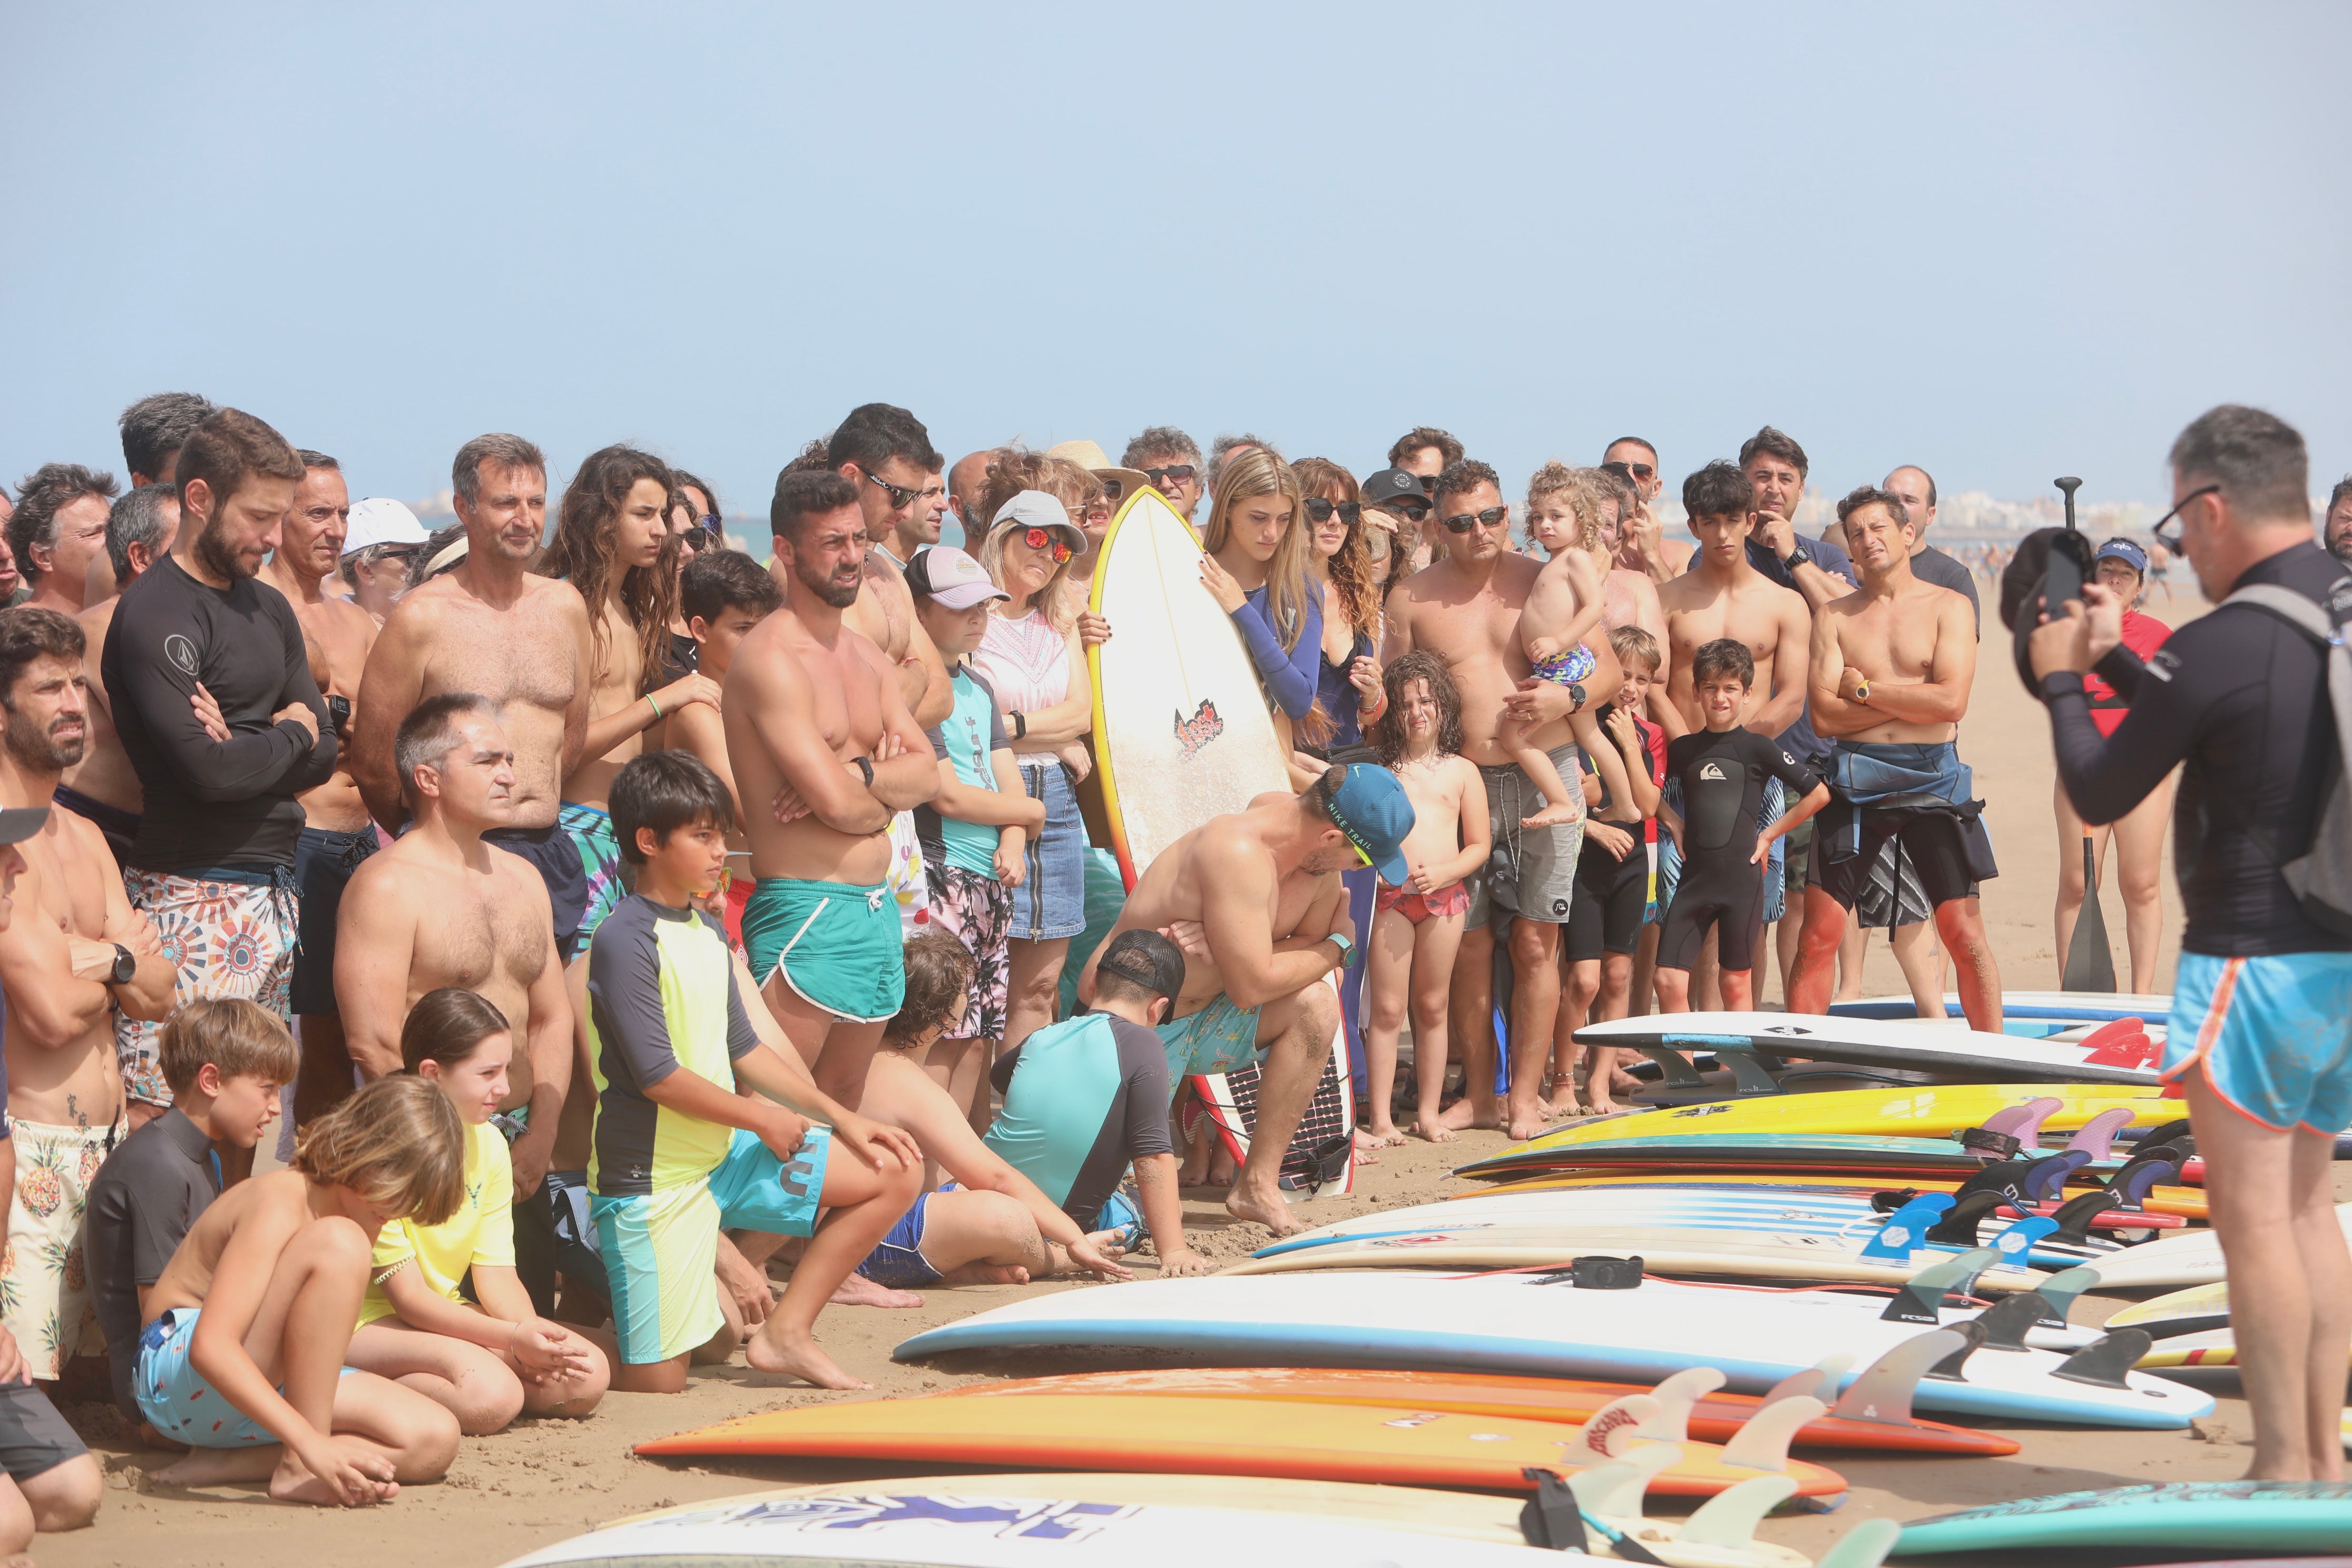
point(1217, 1038)
point(178, 1402)
point(2274, 1034)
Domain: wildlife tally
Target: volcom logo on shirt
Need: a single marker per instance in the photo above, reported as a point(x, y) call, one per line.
point(180, 651)
point(1709, 771)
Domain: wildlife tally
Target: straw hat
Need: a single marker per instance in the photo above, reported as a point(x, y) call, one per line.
point(1086, 455)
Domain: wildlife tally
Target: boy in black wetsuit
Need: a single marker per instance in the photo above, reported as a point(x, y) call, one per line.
point(1722, 770)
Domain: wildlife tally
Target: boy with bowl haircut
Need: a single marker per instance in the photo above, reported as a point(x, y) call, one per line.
point(975, 832)
point(679, 1153)
point(225, 1060)
point(722, 594)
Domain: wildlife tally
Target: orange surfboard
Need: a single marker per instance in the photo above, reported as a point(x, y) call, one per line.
point(1714, 1418)
point(1174, 1434)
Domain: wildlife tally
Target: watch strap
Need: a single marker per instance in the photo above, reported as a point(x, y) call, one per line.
point(865, 766)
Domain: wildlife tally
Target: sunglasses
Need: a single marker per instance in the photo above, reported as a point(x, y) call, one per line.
point(1429, 484)
point(2172, 541)
point(1629, 470)
point(1181, 473)
point(1320, 511)
point(899, 495)
point(1404, 507)
point(1493, 517)
point(1046, 539)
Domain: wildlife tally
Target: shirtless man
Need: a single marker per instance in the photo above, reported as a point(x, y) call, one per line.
point(103, 786)
point(1890, 671)
point(75, 952)
point(1725, 597)
point(1465, 608)
point(490, 626)
point(886, 454)
point(818, 724)
point(336, 832)
point(444, 906)
point(1642, 544)
point(613, 544)
point(1254, 900)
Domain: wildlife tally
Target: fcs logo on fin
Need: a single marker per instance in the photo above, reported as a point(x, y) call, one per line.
point(1197, 732)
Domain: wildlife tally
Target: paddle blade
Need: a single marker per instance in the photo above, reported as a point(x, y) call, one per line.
point(2089, 965)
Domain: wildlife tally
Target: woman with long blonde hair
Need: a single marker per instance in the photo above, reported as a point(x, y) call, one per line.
point(1255, 566)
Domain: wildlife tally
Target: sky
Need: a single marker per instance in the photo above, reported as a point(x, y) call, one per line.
point(2002, 241)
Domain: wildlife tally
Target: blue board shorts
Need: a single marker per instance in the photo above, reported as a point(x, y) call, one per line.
point(898, 1262)
point(1220, 1038)
point(660, 1248)
point(838, 945)
point(2273, 1034)
point(177, 1401)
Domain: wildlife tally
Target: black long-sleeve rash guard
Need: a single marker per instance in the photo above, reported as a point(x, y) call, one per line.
point(213, 802)
point(2242, 698)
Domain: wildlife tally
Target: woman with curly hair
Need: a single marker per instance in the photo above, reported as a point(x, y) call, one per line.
point(613, 544)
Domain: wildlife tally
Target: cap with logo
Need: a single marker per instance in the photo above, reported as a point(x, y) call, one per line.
point(1392, 484)
point(944, 574)
point(1121, 482)
point(2124, 551)
point(1144, 958)
point(381, 520)
point(20, 822)
point(1036, 509)
point(1370, 807)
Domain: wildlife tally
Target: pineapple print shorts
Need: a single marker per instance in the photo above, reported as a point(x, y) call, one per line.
point(44, 1289)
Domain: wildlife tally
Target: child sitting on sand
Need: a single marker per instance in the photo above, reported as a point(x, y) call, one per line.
point(447, 1314)
point(679, 1153)
point(1563, 609)
point(244, 1359)
point(1417, 927)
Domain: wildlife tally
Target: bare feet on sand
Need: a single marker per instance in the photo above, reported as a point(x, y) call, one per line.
point(1465, 1113)
point(1432, 1127)
point(1560, 1107)
point(1275, 1214)
point(368, 1481)
point(1379, 1135)
point(218, 1466)
point(859, 1291)
point(796, 1355)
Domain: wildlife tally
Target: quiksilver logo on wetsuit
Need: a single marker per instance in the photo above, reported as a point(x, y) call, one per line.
point(1709, 771)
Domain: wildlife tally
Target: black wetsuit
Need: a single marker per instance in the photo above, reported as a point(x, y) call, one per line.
point(1722, 774)
point(2241, 697)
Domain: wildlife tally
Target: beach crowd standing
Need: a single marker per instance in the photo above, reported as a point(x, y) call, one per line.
point(615, 920)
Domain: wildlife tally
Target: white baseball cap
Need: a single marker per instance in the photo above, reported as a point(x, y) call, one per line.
point(381, 520)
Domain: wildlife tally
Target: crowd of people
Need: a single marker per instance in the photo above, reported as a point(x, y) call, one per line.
point(617, 920)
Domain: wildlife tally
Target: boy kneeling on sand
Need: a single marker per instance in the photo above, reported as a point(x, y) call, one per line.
point(244, 1359)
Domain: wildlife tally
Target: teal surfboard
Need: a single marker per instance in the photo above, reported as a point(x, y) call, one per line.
point(2275, 1516)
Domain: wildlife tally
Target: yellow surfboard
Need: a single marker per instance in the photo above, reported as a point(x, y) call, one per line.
point(1925, 1110)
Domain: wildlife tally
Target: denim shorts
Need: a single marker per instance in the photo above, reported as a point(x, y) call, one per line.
point(1051, 901)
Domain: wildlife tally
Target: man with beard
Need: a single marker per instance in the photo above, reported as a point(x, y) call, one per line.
point(102, 787)
point(336, 833)
point(818, 724)
point(79, 954)
point(210, 690)
point(1641, 545)
point(2338, 532)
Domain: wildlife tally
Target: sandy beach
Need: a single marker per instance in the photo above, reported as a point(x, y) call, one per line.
point(543, 1480)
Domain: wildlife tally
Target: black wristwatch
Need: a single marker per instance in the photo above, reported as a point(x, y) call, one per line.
point(1576, 695)
point(865, 766)
point(1020, 725)
point(1799, 557)
point(126, 966)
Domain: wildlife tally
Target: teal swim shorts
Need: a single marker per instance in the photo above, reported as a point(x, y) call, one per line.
point(1217, 1038)
point(835, 943)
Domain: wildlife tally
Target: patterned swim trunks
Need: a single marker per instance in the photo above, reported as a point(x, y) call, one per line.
point(230, 933)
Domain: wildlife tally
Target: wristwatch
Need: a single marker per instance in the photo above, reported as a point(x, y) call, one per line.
point(1347, 946)
point(126, 966)
point(1799, 557)
point(1861, 690)
point(1576, 695)
point(865, 766)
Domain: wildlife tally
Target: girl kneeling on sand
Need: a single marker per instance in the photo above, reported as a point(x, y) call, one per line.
point(489, 1358)
point(1418, 926)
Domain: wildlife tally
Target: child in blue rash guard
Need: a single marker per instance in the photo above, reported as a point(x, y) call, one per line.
point(975, 832)
point(679, 1153)
point(1722, 770)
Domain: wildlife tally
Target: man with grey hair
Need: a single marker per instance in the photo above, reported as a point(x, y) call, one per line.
point(1915, 488)
point(13, 591)
point(59, 529)
point(103, 786)
point(2337, 530)
point(1225, 449)
point(2260, 1040)
point(1172, 460)
point(153, 430)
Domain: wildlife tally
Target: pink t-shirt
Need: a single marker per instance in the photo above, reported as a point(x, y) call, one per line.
point(1028, 662)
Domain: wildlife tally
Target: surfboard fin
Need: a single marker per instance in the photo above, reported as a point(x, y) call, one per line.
point(1728, 1521)
point(1676, 1396)
point(2103, 1364)
point(1616, 1488)
point(2176, 1133)
point(1958, 1225)
point(1864, 1546)
point(2099, 1134)
point(2016, 1242)
point(1750, 1074)
point(2005, 1322)
point(1950, 1369)
point(2142, 1175)
point(1762, 1441)
point(1904, 1232)
point(1675, 1072)
point(1883, 1392)
point(1611, 1432)
point(1921, 1300)
point(2059, 1291)
point(2013, 1126)
point(2073, 1220)
point(2045, 1179)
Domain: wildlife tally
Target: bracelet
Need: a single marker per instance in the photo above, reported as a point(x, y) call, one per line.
point(654, 705)
point(512, 1337)
point(1020, 725)
point(866, 767)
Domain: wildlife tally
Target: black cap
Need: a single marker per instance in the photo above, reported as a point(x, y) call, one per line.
point(1144, 958)
point(1392, 484)
point(22, 823)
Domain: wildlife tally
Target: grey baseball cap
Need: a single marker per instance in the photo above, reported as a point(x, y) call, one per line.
point(21, 823)
point(1036, 509)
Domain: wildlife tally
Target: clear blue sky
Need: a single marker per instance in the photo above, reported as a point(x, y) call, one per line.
point(2005, 241)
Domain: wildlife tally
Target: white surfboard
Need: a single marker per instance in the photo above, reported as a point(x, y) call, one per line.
point(2191, 1257)
point(2068, 1006)
point(1918, 1046)
point(1529, 1324)
point(1181, 726)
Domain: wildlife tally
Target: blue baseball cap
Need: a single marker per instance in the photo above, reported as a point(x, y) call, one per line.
point(1371, 809)
point(2124, 551)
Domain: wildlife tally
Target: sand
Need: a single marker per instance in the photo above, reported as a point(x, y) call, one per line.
point(543, 1481)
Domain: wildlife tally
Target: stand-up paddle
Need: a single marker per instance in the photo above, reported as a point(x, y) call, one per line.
point(2090, 963)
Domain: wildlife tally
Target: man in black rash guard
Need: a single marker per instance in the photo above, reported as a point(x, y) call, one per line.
point(1722, 770)
point(212, 695)
point(2261, 1032)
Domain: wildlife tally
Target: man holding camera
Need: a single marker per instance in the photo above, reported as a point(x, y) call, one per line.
point(336, 833)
